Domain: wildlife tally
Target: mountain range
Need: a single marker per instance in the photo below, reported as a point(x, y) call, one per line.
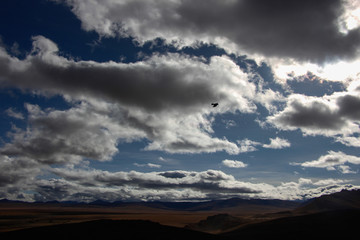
point(328, 216)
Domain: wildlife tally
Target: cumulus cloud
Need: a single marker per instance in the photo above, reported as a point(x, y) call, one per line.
point(165, 99)
point(233, 163)
point(308, 113)
point(277, 143)
point(332, 161)
point(335, 115)
point(17, 170)
point(291, 36)
point(162, 99)
point(262, 27)
point(169, 82)
point(66, 136)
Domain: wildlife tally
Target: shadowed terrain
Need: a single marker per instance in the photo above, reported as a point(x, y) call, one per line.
point(108, 229)
point(330, 224)
point(19, 215)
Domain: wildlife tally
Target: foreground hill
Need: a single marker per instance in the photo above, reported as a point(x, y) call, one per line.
point(341, 224)
point(107, 229)
point(330, 224)
point(334, 209)
point(18, 215)
point(217, 223)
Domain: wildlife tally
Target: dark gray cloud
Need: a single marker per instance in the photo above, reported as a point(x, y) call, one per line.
point(304, 30)
point(314, 115)
point(17, 170)
point(329, 115)
point(160, 83)
point(349, 106)
point(63, 136)
point(173, 174)
point(153, 86)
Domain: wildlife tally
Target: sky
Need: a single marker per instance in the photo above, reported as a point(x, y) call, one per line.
point(112, 99)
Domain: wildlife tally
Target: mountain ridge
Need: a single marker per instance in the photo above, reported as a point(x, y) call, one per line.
point(345, 199)
point(188, 206)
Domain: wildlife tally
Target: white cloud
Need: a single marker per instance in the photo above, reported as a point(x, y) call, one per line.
point(350, 141)
point(277, 143)
point(332, 161)
point(150, 165)
point(165, 99)
point(247, 145)
point(233, 163)
point(341, 70)
point(13, 113)
point(351, 17)
point(229, 123)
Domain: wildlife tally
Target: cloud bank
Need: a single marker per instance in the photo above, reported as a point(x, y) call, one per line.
point(87, 184)
point(315, 31)
point(165, 99)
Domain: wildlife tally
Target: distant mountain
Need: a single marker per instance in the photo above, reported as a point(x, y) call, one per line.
point(108, 229)
point(346, 199)
point(217, 204)
point(180, 206)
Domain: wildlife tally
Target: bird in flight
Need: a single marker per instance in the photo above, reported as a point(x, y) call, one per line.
point(215, 104)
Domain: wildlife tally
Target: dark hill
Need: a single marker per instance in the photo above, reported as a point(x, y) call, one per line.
point(107, 229)
point(346, 199)
point(217, 223)
point(331, 224)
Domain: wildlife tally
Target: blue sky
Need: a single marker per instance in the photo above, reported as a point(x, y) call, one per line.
point(112, 100)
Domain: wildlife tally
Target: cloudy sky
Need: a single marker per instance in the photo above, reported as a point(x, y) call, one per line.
point(111, 99)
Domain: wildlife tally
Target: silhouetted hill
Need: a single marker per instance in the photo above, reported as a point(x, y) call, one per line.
point(346, 199)
point(107, 229)
point(331, 224)
point(217, 223)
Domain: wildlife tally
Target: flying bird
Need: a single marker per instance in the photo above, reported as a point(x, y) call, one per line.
point(215, 104)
